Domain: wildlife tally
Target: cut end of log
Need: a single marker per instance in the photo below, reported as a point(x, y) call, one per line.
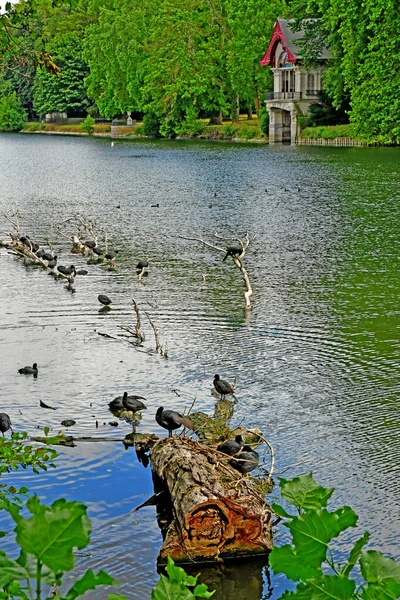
point(217, 513)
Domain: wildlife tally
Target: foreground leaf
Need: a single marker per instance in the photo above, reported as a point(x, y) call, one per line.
point(355, 554)
point(304, 492)
point(332, 587)
point(383, 575)
point(10, 570)
point(89, 581)
point(285, 560)
point(52, 533)
point(313, 531)
point(170, 590)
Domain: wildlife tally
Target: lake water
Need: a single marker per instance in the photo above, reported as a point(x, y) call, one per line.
point(316, 359)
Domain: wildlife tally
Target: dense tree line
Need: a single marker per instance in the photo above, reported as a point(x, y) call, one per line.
point(173, 61)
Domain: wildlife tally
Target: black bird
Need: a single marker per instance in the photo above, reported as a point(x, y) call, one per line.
point(222, 387)
point(25, 239)
point(47, 256)
point(98, 251)
point(111, 256)
point(39, 253)
point(231, 447)
point(52, 263)
point(233, 251)
point(5, 423)
point(169, 419)
point(35, 247)
point(133, 402)
point(66, 271)
point(33, 370)
point(249, 460)
point(142, 264)
point(103, 299)
point(90, 244)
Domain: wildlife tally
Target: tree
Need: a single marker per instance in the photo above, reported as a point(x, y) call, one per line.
point(64, 92)
point(250, 24)
point(12, 115)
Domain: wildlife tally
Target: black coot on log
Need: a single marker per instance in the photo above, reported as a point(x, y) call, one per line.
point(231, 447)
point(170, 419)
point(248, 460)
point(222, 387)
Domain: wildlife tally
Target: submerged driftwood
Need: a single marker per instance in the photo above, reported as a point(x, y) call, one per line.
point(216, 513)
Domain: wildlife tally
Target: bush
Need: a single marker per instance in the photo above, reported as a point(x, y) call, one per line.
point(88, 124)
point(12, 115)
point(151, 125)
point(35, 126)
point(229, 130)
point(247, 133)
point(191, 127)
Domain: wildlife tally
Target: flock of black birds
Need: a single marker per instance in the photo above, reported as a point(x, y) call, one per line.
point(24, 242)
point(244, 458)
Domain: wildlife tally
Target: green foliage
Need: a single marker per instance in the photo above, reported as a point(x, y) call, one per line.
point(247, 133)
point(15, 453)
point(324, 113)
point(47, 540)
point(330, 132)
point(12, 115)
point(264, 121)
point(65, 91)
point(88, 124)
point(176, 585)
point(309, 557)
point(229, 130)
point(151, 125)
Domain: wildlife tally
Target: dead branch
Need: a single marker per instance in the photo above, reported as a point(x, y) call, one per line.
point(244, 243)
point(138, 332)
point(158, 345)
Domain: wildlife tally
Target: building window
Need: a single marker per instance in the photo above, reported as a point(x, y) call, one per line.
point(310, 84)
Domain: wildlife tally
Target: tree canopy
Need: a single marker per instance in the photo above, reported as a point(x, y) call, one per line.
point(176, 60)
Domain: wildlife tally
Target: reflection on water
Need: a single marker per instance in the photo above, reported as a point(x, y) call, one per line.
point(316, 359)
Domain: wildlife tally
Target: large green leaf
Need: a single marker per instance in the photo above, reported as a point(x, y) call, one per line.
point(355, 554)
point(89, 581)
point(332, 587)
point(313, 531)
point(285, 560)
point(10, 570)
point(304, 492)
point(170, 590)
point(382, 574)
point(53, 532)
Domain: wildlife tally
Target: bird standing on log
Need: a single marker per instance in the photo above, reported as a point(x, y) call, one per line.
point(222, 387)
point(5, 423)
point(234, 251)
point(170, 419)
point(248, 460)
point(231, 447)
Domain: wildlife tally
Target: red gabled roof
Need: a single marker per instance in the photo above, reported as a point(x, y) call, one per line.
point(277, 37)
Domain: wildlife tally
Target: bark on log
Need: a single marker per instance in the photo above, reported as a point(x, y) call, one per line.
point(216, 512)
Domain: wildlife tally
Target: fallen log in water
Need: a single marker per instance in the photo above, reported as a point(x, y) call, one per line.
point(216, 511)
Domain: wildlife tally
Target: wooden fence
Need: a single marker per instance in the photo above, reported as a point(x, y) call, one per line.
point(339, 141)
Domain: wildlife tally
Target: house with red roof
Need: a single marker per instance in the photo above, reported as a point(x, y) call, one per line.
point(295, 87)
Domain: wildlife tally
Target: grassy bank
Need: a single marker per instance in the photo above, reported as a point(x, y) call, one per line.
point(330, 132)
point(245, 129)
